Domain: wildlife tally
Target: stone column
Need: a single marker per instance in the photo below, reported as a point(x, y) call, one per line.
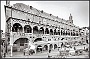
point(48, 47)
point(32, 30)
point(11, 37)
point(60, 31)
point(70, 34)
point(44, 30)
point(11, 50)
point(23, 29)
point(35, 50)
point(11, 43)
point(53, 32)
point(53, 46)
point(32, 35)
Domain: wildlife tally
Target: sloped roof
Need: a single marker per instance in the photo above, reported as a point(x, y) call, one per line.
point(33, 10)
point(41, 13)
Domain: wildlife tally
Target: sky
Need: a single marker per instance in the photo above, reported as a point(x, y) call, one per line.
point(78, 9)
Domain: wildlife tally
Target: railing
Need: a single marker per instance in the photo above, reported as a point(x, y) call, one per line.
point(20, 34)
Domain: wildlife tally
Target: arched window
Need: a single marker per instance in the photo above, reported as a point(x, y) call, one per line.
point(27, 29)
point(45, 47)
point(38, 39)
point(55, 46)
point(21, 41)
point(58, 32)
point(51, 46)
point(63, 32)
point(46, 31)
point(17, 27)
point(35, 30)
point(76, 34)
point(55, 32)
point(69, 33)
point(51, 32)
point(39, 48)
point(41, 31)
point(73, 34)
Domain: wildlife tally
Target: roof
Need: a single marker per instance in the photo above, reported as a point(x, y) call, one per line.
point(35, 11)
point(40, 13)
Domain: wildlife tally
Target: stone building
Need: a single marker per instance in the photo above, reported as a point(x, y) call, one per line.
point(84, 34)
point(26, 24)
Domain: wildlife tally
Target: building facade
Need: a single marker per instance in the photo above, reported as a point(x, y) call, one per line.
point(25, 24)
point(85, 34)
point(3, 44)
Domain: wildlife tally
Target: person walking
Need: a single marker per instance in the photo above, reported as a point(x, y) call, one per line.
point(4, 53)
point(29, 50)
point(49, 54)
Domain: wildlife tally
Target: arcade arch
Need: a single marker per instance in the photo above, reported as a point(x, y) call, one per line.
point(17, 27)
point(45, 47)
point(39, 48)
point(51, 32)
point(46, 31)
point(38, 39)
point(41, 31)
point(20, 43)
point(55, 46)
point(35, 30)
point(55, 32)
point(51, 46)
point(27, 29)
point(58, 32)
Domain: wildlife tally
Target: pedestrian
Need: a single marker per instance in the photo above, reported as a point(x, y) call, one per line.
point(30, 52)
point(84, 48)
point(24, 53)
point(49, 51)
point(4, 53)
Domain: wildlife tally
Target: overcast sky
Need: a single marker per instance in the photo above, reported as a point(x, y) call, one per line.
point(78, 9)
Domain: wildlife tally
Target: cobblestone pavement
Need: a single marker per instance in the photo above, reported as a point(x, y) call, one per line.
point(42, 55)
